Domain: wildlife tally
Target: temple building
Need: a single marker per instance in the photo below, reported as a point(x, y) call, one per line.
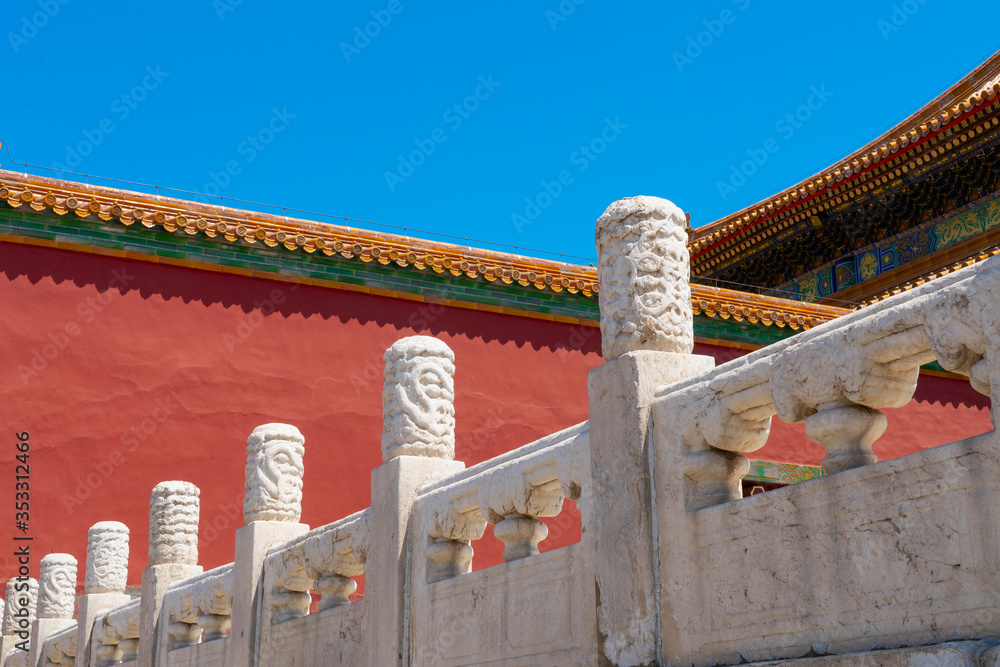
point(914, 204)
point(142, 331)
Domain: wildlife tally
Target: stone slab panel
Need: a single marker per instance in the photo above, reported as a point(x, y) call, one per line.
point(199, 655)
point(954, 654)
point(529, 611)
point(335, 636)
point(898, 553)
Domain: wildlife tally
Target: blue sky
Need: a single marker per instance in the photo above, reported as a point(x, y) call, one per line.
point(515, 123)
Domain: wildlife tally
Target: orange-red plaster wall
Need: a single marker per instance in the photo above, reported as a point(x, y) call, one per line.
point(127, 373)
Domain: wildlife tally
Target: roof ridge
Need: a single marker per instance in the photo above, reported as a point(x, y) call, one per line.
point(227, 225)
point(958, 102)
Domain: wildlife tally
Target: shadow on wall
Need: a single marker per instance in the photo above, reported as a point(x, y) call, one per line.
point(248, 294)
point(950, 392)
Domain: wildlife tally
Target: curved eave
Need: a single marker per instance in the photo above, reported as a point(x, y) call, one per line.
point(968, 108)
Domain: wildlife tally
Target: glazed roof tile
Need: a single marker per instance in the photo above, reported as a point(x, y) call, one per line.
point(962, 112)
point(224, 225)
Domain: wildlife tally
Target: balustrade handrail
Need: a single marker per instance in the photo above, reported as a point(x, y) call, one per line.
point(60, 644)
point(324, 559)
point(530, 481)
point(835, 378)
point(552, 440)
point(119, 616)
point(908, 303)
point(353, 528)
point(210, 592)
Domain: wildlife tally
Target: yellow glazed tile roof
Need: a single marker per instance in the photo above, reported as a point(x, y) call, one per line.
point(964, 111)
point(219, 224)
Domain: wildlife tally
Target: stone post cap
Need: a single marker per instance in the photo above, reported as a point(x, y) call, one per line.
point(173, 523)
point(418, 411)
point(418, 346)
point(56, 586)
point(107, 558)
point(19, 590)
point(106, 528)
point(273, 474)
point(642, 206)
point(644, 267)
point(275, 431)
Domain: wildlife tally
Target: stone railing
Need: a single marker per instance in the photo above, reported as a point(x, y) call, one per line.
point(324, 560)
point(60, 648)
point(510, 492)
point(673, 566)
point(834, 378)
point(887, 554)
point(116, 635)
point(497, 614)
point(196, 611)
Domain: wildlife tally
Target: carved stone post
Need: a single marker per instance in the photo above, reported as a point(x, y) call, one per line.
point(647, 337)
point(418, 446)
point(272, 506)
point(18, 614)
point(173, 555)
point(56, 599)
point(104, 584)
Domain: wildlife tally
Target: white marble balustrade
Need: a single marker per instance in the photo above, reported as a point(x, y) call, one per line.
point(198, 609)
point(511, 492)
point(325, 559)
point(116, 635)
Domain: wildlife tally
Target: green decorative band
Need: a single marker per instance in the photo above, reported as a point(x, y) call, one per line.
point(965, 222)
point(769, 472)
point(178, 246)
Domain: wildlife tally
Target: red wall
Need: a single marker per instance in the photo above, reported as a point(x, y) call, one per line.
point(128, 373)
